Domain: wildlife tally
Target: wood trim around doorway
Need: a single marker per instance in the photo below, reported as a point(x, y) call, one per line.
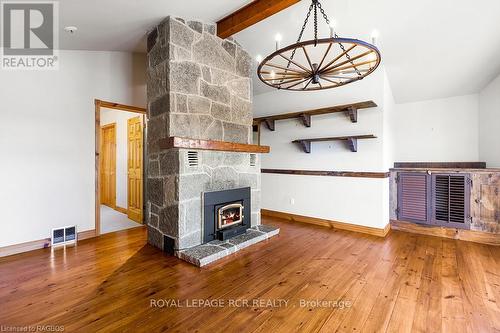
point(121, 107)
point(115, 106)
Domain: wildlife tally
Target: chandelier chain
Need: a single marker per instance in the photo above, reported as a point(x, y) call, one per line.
point(300, 36)
point(315, 3)
point(303, 27)
point(336, 36)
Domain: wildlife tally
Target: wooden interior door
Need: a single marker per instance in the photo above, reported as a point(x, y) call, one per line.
point(134, 165)
point(108, 165)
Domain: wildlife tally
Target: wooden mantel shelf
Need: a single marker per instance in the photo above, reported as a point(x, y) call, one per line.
point(178, 142)
point(351, 110)
point(352, 141)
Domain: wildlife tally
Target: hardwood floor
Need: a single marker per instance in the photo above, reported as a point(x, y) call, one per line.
point(403, 283)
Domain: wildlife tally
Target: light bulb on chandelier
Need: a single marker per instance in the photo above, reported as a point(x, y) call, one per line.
point(374, 36)
point(278, 38)
point(332, 25)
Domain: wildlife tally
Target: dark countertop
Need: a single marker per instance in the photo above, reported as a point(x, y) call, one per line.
point(446, 170)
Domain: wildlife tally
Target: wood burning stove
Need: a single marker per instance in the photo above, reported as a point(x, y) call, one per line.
point(226, 213)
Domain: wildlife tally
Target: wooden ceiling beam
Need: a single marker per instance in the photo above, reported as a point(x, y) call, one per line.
point(249, 15)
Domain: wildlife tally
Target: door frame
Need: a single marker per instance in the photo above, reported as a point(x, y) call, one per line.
point(120, 107)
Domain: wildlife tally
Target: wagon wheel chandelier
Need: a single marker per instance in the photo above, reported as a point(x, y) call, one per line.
point(318, 63)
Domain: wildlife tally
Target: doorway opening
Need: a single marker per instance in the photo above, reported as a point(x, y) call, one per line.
point(119, 155)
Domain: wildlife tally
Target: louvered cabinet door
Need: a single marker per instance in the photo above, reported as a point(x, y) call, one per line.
point(414, 197)
point(450, 200)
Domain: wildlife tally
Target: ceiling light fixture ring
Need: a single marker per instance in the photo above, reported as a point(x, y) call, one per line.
point(309, 75)
point(334, 70)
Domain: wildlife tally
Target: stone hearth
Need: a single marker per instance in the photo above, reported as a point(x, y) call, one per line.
point(199, 87)
point(205, 254)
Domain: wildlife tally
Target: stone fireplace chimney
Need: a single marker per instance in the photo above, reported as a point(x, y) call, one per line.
point(199, 87)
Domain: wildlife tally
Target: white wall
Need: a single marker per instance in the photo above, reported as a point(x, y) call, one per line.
point(436, 130)
point(439, 130)
point(47, 139)
point(120, 118)
point(389, 114)
point(47, 143)
point(329, 155)
point(352, 200)
point(388, 143)
point(489, 124)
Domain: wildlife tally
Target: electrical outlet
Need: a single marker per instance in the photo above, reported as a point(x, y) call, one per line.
point(292, 201)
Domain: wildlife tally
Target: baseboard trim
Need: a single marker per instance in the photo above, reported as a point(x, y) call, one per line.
point(452, 233)
point(121, 210)
point(327, 223)
point(38, 244)
point(24, 247)
point(87, 234)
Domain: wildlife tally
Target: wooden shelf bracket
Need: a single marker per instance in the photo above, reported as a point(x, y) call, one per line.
point(305, 145)
point(352, 112)
point(306, 119)
point(352, 143)
point(270, 124)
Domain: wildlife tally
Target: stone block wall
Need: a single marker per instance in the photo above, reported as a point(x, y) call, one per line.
point(176, 192)
point(199, 87)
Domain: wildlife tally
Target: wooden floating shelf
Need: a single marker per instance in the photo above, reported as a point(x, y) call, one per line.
point(351, 110)
point(178, 142)
point(352, 141)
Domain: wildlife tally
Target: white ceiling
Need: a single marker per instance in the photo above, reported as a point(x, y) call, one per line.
point(121, 25)
point(430, 48)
